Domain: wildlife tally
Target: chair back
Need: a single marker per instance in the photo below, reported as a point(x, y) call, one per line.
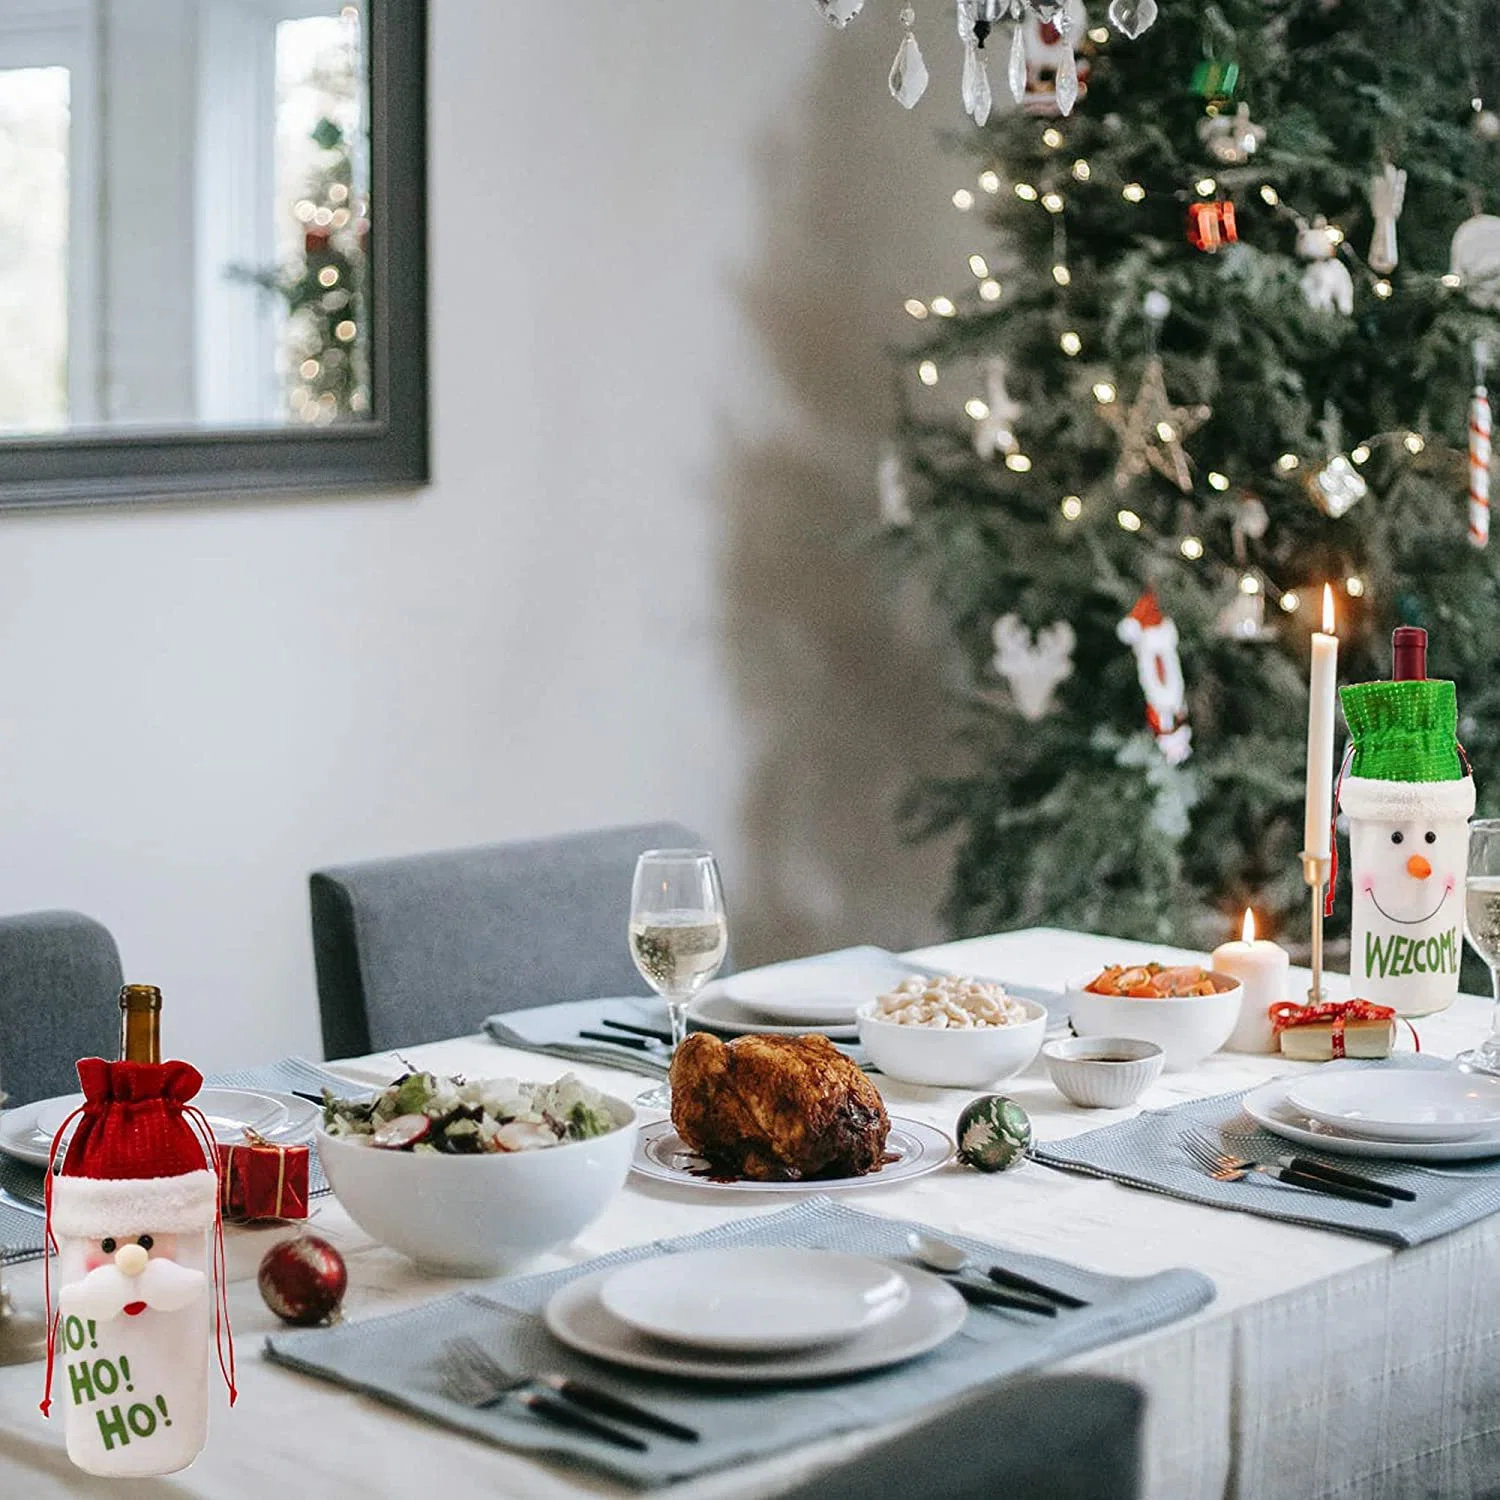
point(1063, 1437)
point(420, 948)
point(59, 991)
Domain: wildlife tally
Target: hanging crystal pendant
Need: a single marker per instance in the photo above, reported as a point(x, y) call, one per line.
point(976, 91)
point(840, 13)
point(1132, 17)
point(1067, 69)
point(909, 71)
point(1017, 75)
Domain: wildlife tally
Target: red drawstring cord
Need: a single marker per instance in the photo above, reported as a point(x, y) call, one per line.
point(223, 1333)
point(49, 1249)
point(1333, 832)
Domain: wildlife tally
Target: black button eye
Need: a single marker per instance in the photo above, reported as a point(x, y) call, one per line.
point(1398, 837)
point(145, 1242)
point(1430, 836)
point(107, 1245)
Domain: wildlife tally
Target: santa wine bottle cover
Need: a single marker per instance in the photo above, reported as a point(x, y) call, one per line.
point(133, 1214)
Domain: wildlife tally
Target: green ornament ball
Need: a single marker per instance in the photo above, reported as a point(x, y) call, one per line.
point(993, 1133)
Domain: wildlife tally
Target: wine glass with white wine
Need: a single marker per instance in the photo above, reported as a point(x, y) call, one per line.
point(23, 1333)
point(678, 934)
point(1482, 926)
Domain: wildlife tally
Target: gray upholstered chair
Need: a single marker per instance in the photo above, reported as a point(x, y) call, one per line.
point(416, 949)
point(1063, 1437)
point(59, 991)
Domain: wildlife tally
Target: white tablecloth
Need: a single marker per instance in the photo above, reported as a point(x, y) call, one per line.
point(1328, 1366)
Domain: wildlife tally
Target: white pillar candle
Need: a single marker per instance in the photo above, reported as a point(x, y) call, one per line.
point(1262, 968)
point(1317, 836)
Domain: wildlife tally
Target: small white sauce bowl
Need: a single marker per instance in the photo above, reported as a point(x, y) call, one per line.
point(1103, 1072)
point(952, 1057)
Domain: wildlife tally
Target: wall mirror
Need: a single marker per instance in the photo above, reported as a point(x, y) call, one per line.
point(212, 247)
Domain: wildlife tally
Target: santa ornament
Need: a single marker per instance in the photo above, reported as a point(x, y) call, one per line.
point(134, 1218)
point(1408, 799)
point(1153, 638)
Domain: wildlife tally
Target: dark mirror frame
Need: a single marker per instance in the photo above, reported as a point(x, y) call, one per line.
point(387, 451)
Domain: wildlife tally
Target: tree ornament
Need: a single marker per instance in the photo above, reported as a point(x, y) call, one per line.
point(1153, 639)
point(1479, 453)
point(1151, 430)
point(1243, 618)
point(1055, 78)
point(303, 1280)
point(995, 432)
point(909, 72)
point(1337, 487)
point(1231, 139)
point(134, 1215)
point(994, 1133)
point(1326, 283)
point(839, 13)
point(1487, 125)
point(1251, 522)
point(1408, 802)
point(1387, 195)
point(1475, 258)
point(1132, 17)
point(1216, 79)
point(1211, 226)
point(892, 489)
point(1033, 669)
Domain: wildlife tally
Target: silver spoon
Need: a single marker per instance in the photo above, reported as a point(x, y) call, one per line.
point(940, 1255)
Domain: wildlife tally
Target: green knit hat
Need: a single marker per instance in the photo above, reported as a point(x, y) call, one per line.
point(1406, 757)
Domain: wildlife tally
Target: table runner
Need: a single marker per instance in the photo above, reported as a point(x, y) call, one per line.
point(394, 1358)
point(21, 1230)
point(1143, 1152)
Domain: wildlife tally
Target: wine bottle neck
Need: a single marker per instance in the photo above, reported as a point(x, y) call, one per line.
point(140, 1023)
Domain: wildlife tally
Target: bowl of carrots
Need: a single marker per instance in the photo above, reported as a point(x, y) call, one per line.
point(1188, 1011)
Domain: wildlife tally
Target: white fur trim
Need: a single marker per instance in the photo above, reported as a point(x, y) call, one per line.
point(1406, 801)
point(89, 1208)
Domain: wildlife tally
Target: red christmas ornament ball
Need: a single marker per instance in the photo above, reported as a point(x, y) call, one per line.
point(303, 1280)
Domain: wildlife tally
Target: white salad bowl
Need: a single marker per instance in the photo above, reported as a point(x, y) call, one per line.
point(483, 1214)
point(1186, 1027)
point(956, 1057)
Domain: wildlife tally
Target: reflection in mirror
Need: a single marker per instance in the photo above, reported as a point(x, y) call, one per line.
point(185, 228)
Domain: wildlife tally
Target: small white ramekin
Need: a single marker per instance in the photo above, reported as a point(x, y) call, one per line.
point(1103, 1072)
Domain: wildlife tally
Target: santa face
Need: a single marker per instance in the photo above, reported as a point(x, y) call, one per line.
point(126, 1277)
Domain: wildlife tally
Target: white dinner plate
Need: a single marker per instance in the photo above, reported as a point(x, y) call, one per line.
point(824, 991)
point(754, 1299)
point(26, 1131)
point(933, 1312)
point(917, 1147)
point(1270, 1108)
point(715, 1011)
point(1402, 1104)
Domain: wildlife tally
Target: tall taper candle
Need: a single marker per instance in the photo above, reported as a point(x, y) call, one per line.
point(1317, 836)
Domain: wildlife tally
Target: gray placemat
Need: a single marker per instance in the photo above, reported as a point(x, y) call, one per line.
point(21, 1231)
point(1143, 1152)
point(553, 1030)
point(397, 1358)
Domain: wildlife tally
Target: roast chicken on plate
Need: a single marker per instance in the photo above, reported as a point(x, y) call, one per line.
point(777, 1108)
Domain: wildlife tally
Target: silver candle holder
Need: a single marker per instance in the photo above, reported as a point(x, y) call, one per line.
point(1317, 870)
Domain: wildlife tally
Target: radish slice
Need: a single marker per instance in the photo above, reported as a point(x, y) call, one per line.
point(400, 1133)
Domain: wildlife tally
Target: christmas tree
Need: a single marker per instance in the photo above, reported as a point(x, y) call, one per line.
point(1219, 351)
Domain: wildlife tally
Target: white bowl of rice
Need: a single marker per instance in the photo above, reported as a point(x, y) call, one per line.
point(951, 1032)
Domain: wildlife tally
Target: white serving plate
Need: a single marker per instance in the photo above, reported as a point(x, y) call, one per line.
point(933, 1312)
point(1270, 1108)
point(754, 1299)
point(824, 991)
point(918, 1148)
point(715, 1011)
point(1402, 1104)
point(26, 1131)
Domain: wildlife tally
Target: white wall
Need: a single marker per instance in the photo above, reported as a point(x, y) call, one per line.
point(669, 241)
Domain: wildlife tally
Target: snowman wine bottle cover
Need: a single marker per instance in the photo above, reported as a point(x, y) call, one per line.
point(1408, 797)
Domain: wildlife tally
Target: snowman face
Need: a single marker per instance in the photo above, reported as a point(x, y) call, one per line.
point(1410, 871)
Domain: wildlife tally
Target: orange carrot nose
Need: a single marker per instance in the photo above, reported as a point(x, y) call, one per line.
point(1418, 867)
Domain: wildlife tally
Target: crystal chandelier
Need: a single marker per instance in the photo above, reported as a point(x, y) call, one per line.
point(1042, 61)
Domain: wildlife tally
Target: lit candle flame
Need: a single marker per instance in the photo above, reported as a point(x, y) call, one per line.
point(1328, 622)
point(1247, 933)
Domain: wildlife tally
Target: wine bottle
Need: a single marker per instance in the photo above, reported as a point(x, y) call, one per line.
point(140, 1023)
point(1409, 654)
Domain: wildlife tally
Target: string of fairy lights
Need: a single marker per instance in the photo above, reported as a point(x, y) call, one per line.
point(1340, 484)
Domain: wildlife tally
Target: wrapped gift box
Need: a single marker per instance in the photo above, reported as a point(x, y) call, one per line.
point(258, 1180)
point(1347, 1028)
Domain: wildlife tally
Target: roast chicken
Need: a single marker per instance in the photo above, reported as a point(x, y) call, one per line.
point(776, 1108)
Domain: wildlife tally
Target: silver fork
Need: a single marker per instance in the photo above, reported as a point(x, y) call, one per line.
point(1223, 1167)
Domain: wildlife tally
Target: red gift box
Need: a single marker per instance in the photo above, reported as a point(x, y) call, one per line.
point(1211, 226)
point(260, 1181)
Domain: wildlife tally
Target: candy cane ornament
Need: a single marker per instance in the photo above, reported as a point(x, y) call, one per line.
point(1479, 468)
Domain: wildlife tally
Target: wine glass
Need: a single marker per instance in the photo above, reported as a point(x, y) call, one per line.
point(678, 934)
point(23, 1334)
point(1482, 927)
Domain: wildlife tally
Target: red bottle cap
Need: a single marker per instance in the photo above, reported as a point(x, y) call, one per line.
point(1409, 654)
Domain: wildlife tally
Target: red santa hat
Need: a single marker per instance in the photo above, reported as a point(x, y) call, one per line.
point(135, 1163)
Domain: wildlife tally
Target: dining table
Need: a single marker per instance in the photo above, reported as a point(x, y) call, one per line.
point(1326, 1365)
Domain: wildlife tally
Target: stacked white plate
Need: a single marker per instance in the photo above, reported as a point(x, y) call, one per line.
point(756, 1314)
point(1436, 1114)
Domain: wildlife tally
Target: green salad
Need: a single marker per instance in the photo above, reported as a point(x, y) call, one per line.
point(456, 1117)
